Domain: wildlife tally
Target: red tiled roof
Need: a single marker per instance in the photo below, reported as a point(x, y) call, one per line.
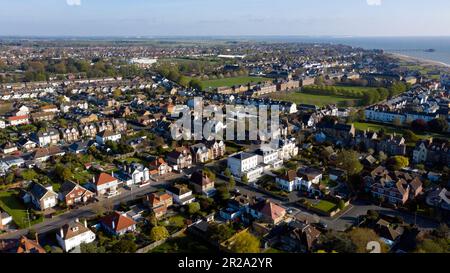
point(120, 221)
point(104, 178)
point(17, 118)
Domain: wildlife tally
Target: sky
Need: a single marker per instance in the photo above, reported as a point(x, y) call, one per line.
point(148, 18)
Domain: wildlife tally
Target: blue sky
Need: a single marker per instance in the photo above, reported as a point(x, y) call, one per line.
point(230, 17)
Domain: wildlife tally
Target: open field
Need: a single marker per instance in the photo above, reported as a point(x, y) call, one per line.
point(211, 84)
point(318, 100)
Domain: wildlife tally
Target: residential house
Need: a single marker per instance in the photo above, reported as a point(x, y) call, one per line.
point(88, 130)
point(158, 202)
point(268, 157)
point(287, 181)
point(216, 149)
point(44, 154)
point(338, 131)
point(299, 237)
point(432, 151)
point(159, 167)
point(181, 194)
point(287, 149)
point(118, 223)
point(42, 116)
point(395, 188)
point(180, 159)
point(267, 211)
point(202, 183)
point(106, 184)
point(245, 164)
point(26, 144)
point(41, 197)
point(26, 245)
point(5, 220)
point(72, 194)
point(73, 234)
point(8, 148)
point(46, 138)
point(70, 135)
point(133, 174)
point(200, 153)
point(105, 136)
point(18, 120)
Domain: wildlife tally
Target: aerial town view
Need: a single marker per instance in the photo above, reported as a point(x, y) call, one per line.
point(224, 132)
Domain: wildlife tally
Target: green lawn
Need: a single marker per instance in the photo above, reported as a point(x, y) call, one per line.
point(10, 202)
point(211, 84)
point(318, 100)
point(325, 206)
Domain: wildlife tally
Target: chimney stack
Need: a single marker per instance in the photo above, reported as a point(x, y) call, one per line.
point(85, 223)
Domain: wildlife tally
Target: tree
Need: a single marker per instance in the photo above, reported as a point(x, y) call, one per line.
point(373, 215)
point(361, 237)
point(196, 84)
point(29, 174)
point(245, 242)
point(92, 248)
point(227, 172)
point(231, 183)
point(63, 173)
point(223, 192)
point(244, 179)
point(153, 220)
point(431, 246)
point(419, 125)
point(397, 162)
point(438, 125)
point(219, 232)
point(336, 242)
point(341, 204)
point(193, 208)
point(410, 136)
point(382, 156)
point(125, 245)
point(348, 160)
point(159, 233)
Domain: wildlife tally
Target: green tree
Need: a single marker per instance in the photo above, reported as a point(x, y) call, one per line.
point(360, 237)
point(348, 160)
point(219, 232)
point(28, 174)
point(159, 233)
point(193, 208)
point(397, 162)
point(438, 125)
point(245, 242)
point(227, 172)
point(244, 179)
point(124, 245)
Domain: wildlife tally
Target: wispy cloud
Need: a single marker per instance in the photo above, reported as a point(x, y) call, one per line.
point(374, 2)
point(73, 2)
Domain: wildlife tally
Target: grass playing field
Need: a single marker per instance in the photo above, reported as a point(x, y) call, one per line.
point(211, 84)
point(318, 100)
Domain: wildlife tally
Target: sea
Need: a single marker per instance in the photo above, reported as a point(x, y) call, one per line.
point(429, 48)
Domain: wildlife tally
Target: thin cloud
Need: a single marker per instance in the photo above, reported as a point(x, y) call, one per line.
point(73, 2)
point(374, 2)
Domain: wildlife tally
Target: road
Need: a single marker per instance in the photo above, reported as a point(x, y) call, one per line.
point(347, 218)
point(88, 211)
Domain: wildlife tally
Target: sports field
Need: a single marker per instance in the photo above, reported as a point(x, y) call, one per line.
point(318, 100)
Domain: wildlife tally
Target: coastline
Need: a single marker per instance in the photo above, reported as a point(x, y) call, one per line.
point(422, 61)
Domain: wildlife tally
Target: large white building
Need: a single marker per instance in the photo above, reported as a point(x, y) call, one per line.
point(73, 235)
point(245, 164)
